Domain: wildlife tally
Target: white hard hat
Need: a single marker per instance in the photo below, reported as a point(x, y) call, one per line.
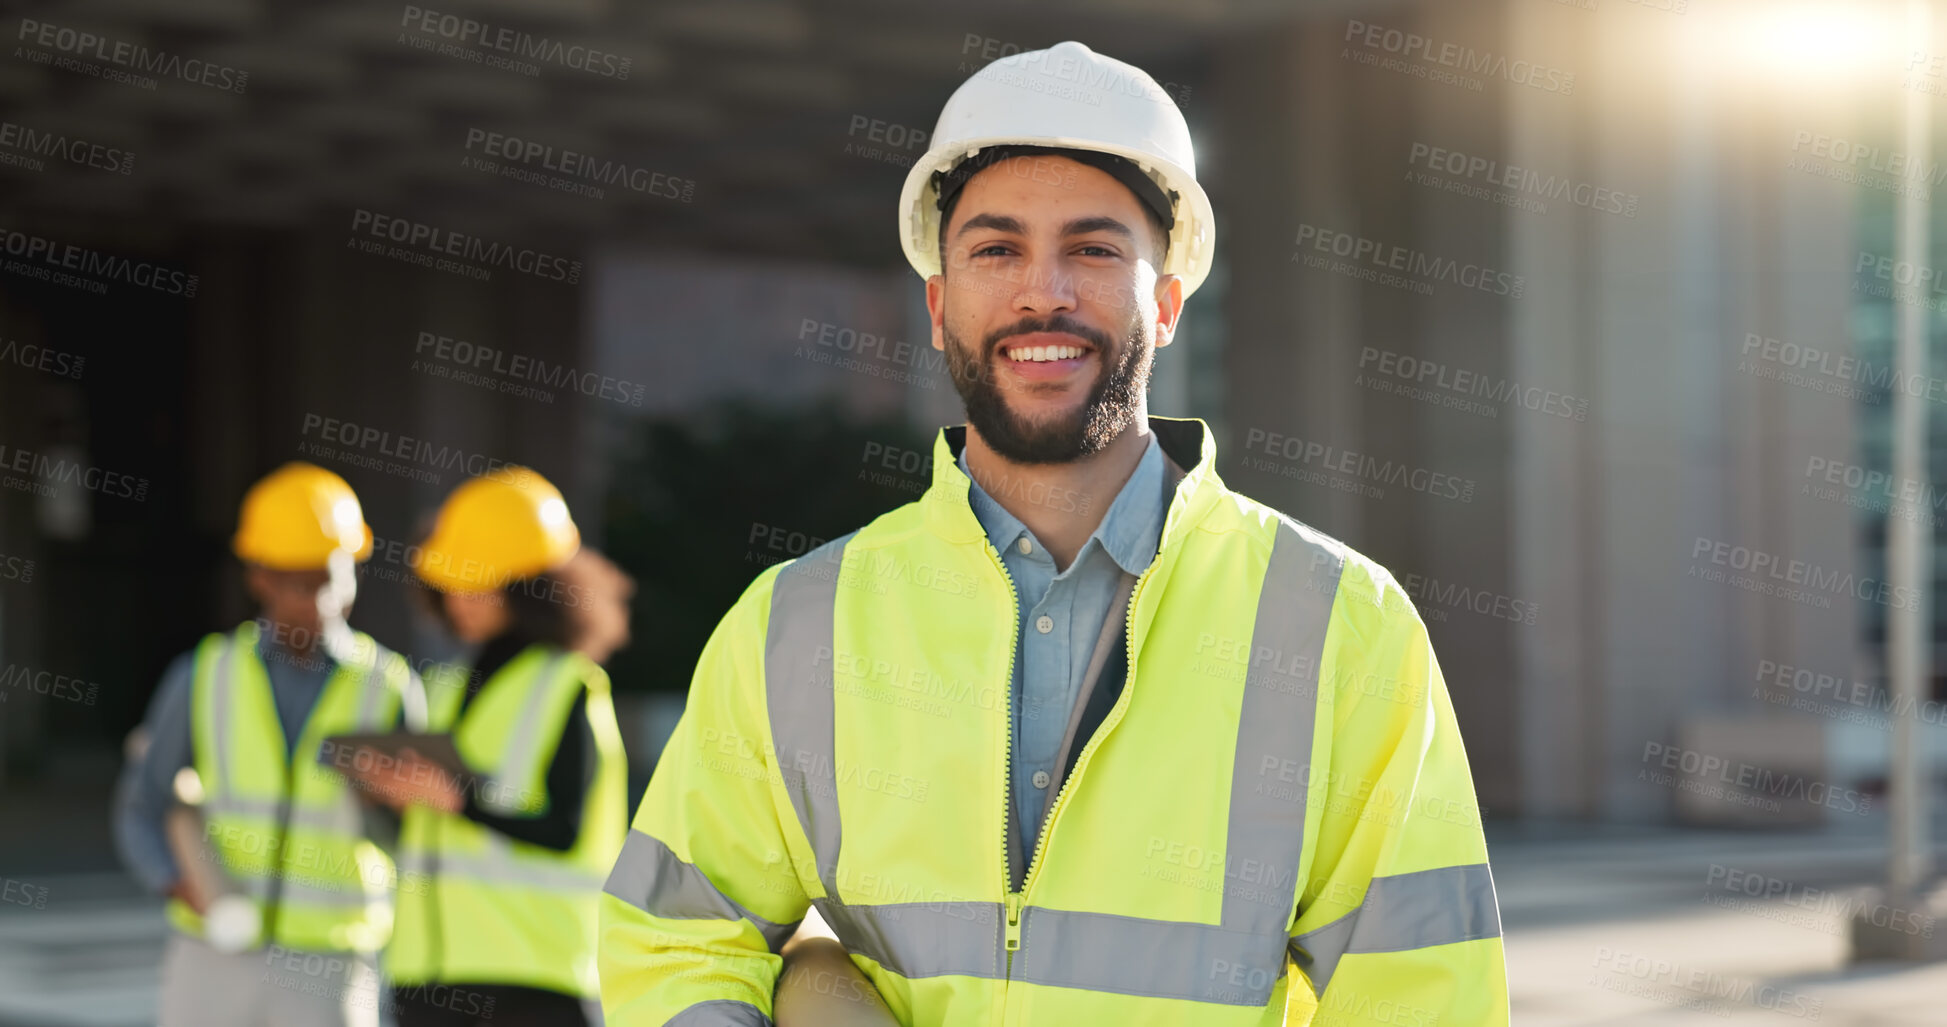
point(1071, 97)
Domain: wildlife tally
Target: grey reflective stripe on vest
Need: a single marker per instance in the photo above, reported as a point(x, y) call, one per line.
point(798, 694)
point(517, 760)
point(341, 815)
point(305, 893)
point(921, 939)
point(1266, 825)
point(497, 863)
point(256, 886)
point(371, 698)
point(651, 877)
point(720, 1012)
point(220, 716)
point(538, 876)
point(295, 885)
point(1405, 911)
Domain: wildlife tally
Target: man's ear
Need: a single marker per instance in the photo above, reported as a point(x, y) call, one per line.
point(936, 309)
point(256, 582)
point(1169, 307)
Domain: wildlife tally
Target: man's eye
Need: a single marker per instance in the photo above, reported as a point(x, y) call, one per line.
point(1096, 251)
point(990, 249)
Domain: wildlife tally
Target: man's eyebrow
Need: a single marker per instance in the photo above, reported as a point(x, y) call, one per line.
point(997, 222)
point(1097, 223)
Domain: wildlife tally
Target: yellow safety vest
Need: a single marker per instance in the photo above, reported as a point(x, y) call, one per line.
point(1275, 818)
point(291, 832)
point(476, 906)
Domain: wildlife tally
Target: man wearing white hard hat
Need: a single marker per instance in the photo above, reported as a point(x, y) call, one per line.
point(1081, 736)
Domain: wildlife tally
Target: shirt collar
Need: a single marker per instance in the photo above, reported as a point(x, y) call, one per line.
point(1129, 531)
point(338, 645)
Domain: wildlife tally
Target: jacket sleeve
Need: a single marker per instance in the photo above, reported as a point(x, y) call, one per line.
point(1398, 924)
point(704, 893)
point(146, 789)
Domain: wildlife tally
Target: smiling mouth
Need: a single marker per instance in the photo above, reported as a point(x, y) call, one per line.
point(1044, 352)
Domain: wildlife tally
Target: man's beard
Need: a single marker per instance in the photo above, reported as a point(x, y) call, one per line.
point(1110, 407)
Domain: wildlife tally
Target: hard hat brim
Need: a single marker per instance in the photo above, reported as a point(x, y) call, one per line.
point(263, 557)
point(432, 565)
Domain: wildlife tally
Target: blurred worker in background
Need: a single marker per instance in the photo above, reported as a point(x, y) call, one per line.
point(236, 727)
point(508, 860)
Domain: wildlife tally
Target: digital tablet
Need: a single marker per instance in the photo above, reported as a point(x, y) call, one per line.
point(349, 753)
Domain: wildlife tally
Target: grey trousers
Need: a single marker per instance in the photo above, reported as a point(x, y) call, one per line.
point(271, 987)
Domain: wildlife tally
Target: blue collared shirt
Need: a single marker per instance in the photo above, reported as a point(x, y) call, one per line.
point(1049, 664)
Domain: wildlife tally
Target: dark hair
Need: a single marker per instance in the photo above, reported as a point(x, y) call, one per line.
point(531, 613)
point(997, 154)
point(560, 607)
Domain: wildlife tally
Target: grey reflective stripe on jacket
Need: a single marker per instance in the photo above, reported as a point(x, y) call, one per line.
point(721, 1012)
point(1266, 825)
point(798, 690)
point(922, 939)
point(1405, 911)
point(652, 878)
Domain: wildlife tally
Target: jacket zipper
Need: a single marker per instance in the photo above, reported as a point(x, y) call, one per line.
point(1016, 901)
point(1007, 760)
point(1081, 761)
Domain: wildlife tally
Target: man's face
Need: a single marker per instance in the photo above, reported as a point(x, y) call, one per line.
point(303, 602)
point(1051, 307)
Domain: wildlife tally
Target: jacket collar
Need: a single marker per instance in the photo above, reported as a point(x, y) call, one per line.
point(1186, 441)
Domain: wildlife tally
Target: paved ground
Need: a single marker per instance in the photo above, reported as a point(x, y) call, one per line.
point(1659, 928)
point(1624, 929)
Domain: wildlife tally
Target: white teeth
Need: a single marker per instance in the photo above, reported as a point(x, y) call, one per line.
point(1045, 353)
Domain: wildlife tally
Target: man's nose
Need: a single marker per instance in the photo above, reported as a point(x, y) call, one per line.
point(1045, 289)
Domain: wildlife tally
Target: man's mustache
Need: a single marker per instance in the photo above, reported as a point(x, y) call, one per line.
point(1097, 338)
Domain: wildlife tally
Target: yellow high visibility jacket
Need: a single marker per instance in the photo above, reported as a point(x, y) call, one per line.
point(1275, 818)
point(289, 831)
point(476, 906)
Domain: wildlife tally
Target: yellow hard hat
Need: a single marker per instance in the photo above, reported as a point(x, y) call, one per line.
point(297, 516)
point(503, 526)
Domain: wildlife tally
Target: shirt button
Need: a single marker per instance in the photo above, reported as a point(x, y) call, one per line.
point(1024, 546)
point(1044, 624)
point(1041, 779)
